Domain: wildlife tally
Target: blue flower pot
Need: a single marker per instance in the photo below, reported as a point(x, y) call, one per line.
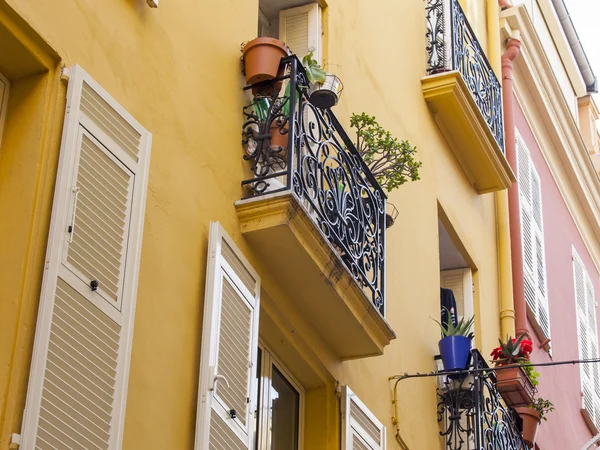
point(455, 351)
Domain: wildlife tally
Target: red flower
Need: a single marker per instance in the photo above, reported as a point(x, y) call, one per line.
point(526, 347)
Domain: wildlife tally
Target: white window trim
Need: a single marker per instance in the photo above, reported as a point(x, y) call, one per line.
point(268, 360)
point(4, 91)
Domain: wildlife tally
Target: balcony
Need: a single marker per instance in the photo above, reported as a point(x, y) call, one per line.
point(315, 214)
point(465, 97)
point(472, 414)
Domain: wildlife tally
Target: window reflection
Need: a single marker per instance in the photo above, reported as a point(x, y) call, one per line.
point(285, 411)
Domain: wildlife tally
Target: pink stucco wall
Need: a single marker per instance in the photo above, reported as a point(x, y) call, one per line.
point(565, 428)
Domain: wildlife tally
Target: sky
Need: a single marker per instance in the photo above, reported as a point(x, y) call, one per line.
point(585, 15)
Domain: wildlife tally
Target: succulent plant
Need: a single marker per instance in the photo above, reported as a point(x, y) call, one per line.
point(462, 328)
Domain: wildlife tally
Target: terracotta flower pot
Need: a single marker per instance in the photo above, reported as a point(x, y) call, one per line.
point(514, 386)
point(279, 137)
point(262, 57)
point(531, 421)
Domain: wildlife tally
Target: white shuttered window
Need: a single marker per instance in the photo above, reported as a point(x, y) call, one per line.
point(226, 402)
point(588, 338)
point(361, 430)
point(301, 29)
point(78, 380)
point(532, 238)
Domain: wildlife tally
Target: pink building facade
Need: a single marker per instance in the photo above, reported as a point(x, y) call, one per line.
point(554, 213)
point(566, 427)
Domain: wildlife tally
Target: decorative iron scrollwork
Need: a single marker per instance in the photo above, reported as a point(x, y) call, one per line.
point(324, 171)
point(473, 415)
point(452, 45)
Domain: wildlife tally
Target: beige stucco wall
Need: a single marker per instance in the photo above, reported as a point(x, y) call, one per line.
point(177, 71)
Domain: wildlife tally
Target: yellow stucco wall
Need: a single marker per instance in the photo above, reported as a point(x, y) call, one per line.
point(177, 71)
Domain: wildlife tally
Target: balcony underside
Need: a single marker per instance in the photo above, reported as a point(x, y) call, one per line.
point(282, 231)
point(467, 132)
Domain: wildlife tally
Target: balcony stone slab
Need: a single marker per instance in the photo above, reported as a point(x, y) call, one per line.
point(283, 233)
point(466, 131)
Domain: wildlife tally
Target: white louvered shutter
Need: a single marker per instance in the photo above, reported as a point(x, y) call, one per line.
point(532, 235)
point(300, 28)
point(78, 380)
point(588, 338)
point(4, 88)
point(229, 348)
point(460, 281)
point(361, 430)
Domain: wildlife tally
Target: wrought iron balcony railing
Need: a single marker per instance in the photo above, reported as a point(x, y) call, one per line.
point(296, 147)
point(452, 45)
point(472, 414)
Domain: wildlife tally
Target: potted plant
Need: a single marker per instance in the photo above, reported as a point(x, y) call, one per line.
point(325, 88)
point(392, 162)
point(516, 383)
point(262, 57)
point(455, 345)
point(532, 416)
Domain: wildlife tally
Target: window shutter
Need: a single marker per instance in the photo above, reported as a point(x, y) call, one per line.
point(4, 88)
point(360, 428)
point(461, 283)
point(588, 338)
point(532, 238)
point(229, 348)
point(78, 380)
point(300, 29)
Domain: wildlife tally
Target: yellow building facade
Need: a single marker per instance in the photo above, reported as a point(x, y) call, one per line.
point(163, 86)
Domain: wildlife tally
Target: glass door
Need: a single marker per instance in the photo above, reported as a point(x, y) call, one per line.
point(280, 405)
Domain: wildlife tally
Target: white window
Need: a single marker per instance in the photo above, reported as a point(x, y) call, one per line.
point(532, 239)
point(4, 88)
point(78, 381)
point(299, 27)
point(280, 406)
point(227, 387)
point(588, 339)
point(360, 428)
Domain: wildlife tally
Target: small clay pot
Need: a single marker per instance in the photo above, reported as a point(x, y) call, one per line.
point(279, 139)
point(262, 57)
point(531, 421)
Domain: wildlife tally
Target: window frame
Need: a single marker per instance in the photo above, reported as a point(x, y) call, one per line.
point(268, 359)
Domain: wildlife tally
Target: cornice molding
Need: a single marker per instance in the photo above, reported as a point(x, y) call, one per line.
point(556, 132)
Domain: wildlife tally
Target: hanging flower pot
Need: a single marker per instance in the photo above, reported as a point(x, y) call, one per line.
point(262, 57)
point(514, 386)
point(326, 94)
point(455, 351)
point(531, 421)
point(391, 214)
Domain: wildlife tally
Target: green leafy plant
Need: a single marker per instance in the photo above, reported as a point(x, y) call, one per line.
point(542, 406)
point(532, 374)
point(314, 72)
point(462, 328)
point(390, 160)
